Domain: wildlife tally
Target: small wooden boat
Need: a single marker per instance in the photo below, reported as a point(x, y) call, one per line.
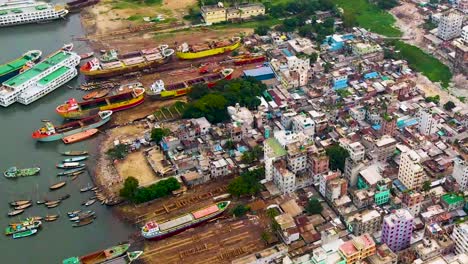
point(75, 153)
point(73, 212)
point(66, 196)
point(53, 205)
point(24, 206)
point(70, 165)
point(82, 216)
point(90, 95)
point(26, 233)
point(80, 136)
point(58, 185)
point(74, 177)
point(102, 93)
point(50, 218)
point(20, 202)
point(89, 202)
point(75, 159)
point(70, 172)
point(15, 212)
point(41, 201)
point(86, 55)
point(87, 188)
point(37, 218)
point(52, 202)
point(75, 173)
point(84, 222)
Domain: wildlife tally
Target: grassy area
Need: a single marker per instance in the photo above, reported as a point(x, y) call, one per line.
point(425, 63)
point(128, 4)
point(370, 17)
point(249, 24)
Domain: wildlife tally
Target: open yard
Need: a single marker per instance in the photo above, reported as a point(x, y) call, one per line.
point(135, 165)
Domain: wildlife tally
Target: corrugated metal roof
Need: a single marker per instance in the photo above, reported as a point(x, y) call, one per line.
point(258, 71)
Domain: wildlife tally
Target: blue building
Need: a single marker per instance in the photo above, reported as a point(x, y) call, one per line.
point(261, 74)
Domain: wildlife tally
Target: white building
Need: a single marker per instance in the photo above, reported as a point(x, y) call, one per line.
point(283, 178)
point(300, 67)
point(356, 150)
point(272, 151)
point(460, 237)
point(289, 231)
point(450, 25)
point(219, 168)
point(460, 173)
point(358, 113)
point(411, 173)
point(427, 122)
point(464, 34)
point(463, 6)
point(304, 124)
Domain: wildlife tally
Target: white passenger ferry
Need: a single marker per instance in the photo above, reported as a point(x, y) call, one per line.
point(41, 79)
point(23, 12)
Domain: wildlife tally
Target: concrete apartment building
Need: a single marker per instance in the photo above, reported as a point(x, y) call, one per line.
point(318, 164)
point(283, 178)
point(367, 221)
point(460, 173)
point(383, 255)
point(358, 249)
point(432, 247)
point(427, 121)
point(464, 34)
point(411, 173)
point(412, 201)
point(397, 229)
point(384, 148)
point(218, 13)
point(460, 237)
point(450, 25)
point(356, 150)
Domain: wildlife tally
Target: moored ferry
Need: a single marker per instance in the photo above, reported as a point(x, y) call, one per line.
point(154, 230)
point(12, 68)
point(191, 52)
point(160, 91)
point(113, 64)
point(23, 12)
point(41, 79)
point(128, 97)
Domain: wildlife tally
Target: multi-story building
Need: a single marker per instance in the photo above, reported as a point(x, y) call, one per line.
point(432, 247)
point(220, 168)
point(411, 173)
point(427, 121)
point(396, 230)
point(388, 125)
point(384, 148)
point(367, 221)
point(284, 179)
point(298, 69)
point(213, 14)
point(450, 25)
point(464, 34)
point(460, 237)
point(218, 13)
point(272, 151)
point(361, 49)
point(383, 255)
point(452, 201)
point(463, 6)
point(382, 192)
point(352, 169)
point(304, 124)
point(357, 249)
point(336, 189)
point(460, 173)
point(412, 201)
point(318, 164)
point(325, 178)
point(288, 230)
point(362, 198)
point(356, 150)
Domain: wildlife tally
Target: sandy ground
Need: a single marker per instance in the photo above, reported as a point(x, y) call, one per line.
point(409, 20)
point(431, 89)
point(135, 165)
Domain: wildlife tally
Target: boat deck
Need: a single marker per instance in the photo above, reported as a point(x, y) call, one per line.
point(38, 69)
point(53, 75)
point(24, 7)
point(13, 65)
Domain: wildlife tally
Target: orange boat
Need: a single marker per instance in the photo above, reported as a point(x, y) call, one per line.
point(80, 136)
point(90, 95)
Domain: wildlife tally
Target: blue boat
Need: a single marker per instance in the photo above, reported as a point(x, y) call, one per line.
point(75, 159)
point(68, 172)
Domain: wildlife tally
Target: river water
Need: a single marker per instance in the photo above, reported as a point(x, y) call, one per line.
point(56, 240)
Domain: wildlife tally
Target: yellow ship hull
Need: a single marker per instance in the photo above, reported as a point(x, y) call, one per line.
point(207, 53)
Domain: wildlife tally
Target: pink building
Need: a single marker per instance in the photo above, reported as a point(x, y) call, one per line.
point(397, 229)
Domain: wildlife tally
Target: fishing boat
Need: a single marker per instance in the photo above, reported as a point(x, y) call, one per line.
point(14, 172)
point(84, 222)
point(114, 64)
point(81, 215)
point(49, 132)
point(86, 55)
point(15, 212)
point(125, 259)
point(22, 226)
point(12, 68)
point(89, 202)
point(248, 59)
point(72, 213)
point(87, 188)
point(52, 202)
point(41, 79)
point(75, 173)
point(53, 205)
point(74, 177)
point(99, 256)
point(80, 136)
point(191, 52)
point(90, 95)
point(41, 201)
point(121, 100)
point(58, 185)
point(24, 206)
point(50, 218)
point(26, 233)
point(23, 12)
point(75, 153)
point(75, 159)
point(20, 202)
point(36, 218)
point(70, 172)
point(159, 90)
point(154, 230)
point(66, 196)
point(70, 165)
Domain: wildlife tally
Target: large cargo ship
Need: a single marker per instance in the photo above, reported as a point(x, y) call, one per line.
point(99, 256)
point(49, 132)
point(77, 5)
point(154, 230)
point(23, 12)
point(191, 52)
point(159, 91)
point(12, 68)
point(113, 64)
point(41, 79)
point(248, 58)
point(123, 99)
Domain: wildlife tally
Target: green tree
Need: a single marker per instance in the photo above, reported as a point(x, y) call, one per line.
point(129, 188)
point(426, 186)
point(434, 99)
point(449, 106)
point(262, 30)
point(240, 210)
point(272, 213)
point(157, 134)
point(247, 183)
point(314, 206)
point(337, 156)
point(313, 58)
point(229, 145)
point(198, 91)
point(119, 152)
point(327, 67)
point(349, 20)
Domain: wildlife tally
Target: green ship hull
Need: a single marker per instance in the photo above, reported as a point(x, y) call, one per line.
point(12, 68)
point(14, 172)
point(25, 233)
point(99, 256)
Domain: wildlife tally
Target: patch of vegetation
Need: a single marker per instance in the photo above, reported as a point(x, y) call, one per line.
point(461, 98)
point(135, 17)
point(247, 183)
point(128, 4)
point(157, 134)
point(337, 155)
point(449, 106)
point(433, 99)
point(118, 152)
point(314, 206)
point(136, 194)
point(343, 93)
point(240, 210)
point(428, 25)
point(252, 155)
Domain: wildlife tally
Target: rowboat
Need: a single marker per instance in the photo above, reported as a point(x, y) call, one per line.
point(75, 174)
point(50, 218)
point(75, 153)
point(69, 172)
point(25, 233)
point(73, 213)
point(86, 221)
point(75, 159)
point(82, 217)
point(90, 202)
point(24, 206)
point(15, 212)
point(70, 165)
point(90, 95)
point(101, 93)
point(41, 201)
point(74, 177)
point(87, 188)
point(53, 205)
point(58, 185)
point(20, 202)
point(51, 202)
point(80, 136)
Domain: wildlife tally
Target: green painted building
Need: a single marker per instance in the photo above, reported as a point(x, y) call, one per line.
point(382, 194)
